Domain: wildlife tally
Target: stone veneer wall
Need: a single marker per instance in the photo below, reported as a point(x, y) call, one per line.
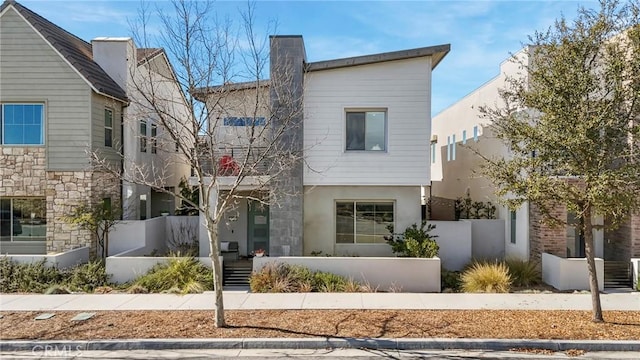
point(22, 171)
point(23, 174)
point(66, 190)
point(544, 238)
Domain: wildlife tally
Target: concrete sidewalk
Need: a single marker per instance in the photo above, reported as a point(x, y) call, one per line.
point(243, 300)
point(246, 300)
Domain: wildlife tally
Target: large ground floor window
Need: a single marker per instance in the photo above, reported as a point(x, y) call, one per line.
point(363, 222)
point(23, 219)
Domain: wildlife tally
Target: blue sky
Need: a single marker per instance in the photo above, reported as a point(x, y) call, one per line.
point(482, 33)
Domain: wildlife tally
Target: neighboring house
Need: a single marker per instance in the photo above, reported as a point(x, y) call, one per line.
point(363, 126)
point(460, 131)
point(61, 98)
point(457, 133)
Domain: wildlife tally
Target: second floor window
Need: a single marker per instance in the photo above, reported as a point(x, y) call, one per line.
point(366, 130)
point(22, 124)
point(154, 138)
point(244, 121)
point(143, 136)
point(108, 128)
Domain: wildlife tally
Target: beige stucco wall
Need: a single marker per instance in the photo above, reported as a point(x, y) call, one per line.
point(320, 222)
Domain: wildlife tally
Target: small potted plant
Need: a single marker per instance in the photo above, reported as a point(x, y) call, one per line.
point(259, 253)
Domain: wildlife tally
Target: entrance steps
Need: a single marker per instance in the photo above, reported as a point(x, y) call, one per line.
point(237, 272)
point(617, 274)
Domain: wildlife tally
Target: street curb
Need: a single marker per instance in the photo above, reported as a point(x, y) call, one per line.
point(319, 343)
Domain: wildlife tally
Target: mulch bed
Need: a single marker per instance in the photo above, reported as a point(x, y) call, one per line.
point(499, 324)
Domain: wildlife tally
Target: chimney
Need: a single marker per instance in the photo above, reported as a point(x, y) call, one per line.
point(116, 56)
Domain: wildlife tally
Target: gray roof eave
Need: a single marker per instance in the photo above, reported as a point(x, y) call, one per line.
point(438, 52)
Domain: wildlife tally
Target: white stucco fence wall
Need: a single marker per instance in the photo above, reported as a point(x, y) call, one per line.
point(487, 238)
point(406, 274)
point(569, 273)
point(141, 237)
point(454, 239)
point(635, 270)
point(124, 269)
point(126, 235)
point(61, 260)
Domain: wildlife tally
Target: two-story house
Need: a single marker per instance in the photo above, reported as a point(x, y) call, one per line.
point(63, 100)
point(362, 126)
point(460, 133)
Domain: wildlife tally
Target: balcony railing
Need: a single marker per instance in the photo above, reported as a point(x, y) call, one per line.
point(229, 161)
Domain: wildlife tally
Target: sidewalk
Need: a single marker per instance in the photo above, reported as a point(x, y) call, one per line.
point(243, 300)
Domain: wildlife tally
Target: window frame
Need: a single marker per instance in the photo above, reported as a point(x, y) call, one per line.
point(244, 121)
point(475, 133)
point(449, 148)
point(385, 135)
point(513, 218)
point(143, 136)
point(355, 234)
point(154, 138)
point(453, 147)
point(42, 104)
point(18, 221)
point(108, 128)
point(434, 148)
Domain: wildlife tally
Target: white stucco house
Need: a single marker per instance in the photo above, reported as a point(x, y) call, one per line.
point(460, 132)
point(362, 125)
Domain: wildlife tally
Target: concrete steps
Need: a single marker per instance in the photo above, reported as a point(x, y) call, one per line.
point(237, 273)
point(617, 274)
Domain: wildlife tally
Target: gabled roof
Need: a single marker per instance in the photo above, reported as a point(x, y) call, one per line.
point(437, 52)
point(146, 54)
point(76, 51)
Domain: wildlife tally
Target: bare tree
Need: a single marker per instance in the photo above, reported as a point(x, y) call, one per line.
point(238, 132)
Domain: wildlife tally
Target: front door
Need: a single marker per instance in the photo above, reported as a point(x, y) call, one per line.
point(258, 231)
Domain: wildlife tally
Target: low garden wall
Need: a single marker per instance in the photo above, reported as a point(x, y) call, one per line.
point(569, 273)
point(61, 260)
point(386, 273)
point(29, 247)
point(123, 269)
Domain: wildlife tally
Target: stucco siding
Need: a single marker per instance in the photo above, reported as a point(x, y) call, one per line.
point(31, 71)
point(320, 216)
point(403, 89)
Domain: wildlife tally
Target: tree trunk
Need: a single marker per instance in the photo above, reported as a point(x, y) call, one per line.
point(591, 265)
point(212, 232)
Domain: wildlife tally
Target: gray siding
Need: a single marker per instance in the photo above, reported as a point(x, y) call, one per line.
point(98, 104)
point(31, 71)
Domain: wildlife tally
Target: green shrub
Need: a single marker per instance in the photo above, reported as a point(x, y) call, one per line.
point(523, 273)
point(177, 275)
point(450, 280)
point(56, 289)
point(86, 277)
point(414, 241)
point(486, 277)
point(38, 278)
point(281, 277)
point(328, 282)
point(34, 277)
